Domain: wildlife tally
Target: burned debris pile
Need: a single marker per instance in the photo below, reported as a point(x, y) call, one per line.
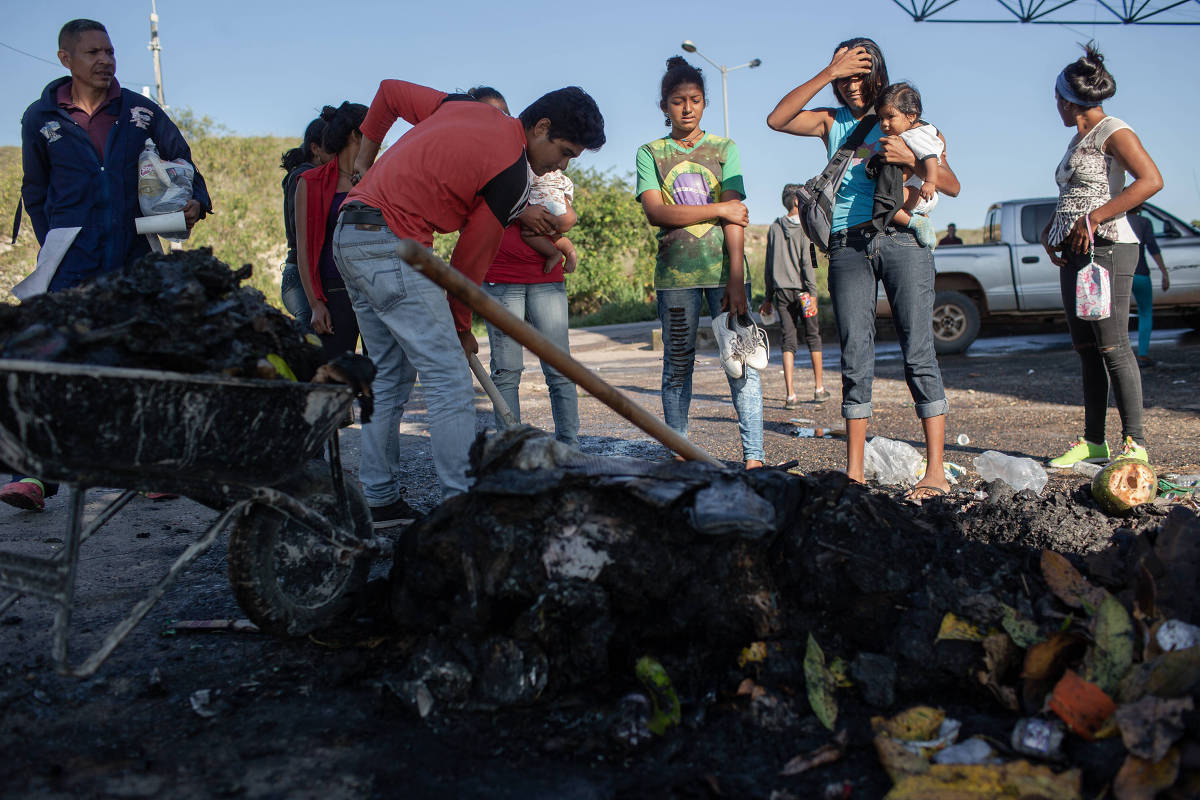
point(185, 312)
point(807, 600)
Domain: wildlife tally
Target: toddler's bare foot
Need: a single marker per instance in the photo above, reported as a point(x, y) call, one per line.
point(551, 262)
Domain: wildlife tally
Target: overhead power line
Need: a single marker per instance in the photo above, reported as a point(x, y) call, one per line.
point(31, 55)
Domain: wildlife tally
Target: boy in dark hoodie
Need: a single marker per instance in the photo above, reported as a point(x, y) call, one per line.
point(792, 288)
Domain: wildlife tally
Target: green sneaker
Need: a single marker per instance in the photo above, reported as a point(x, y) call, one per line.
point(1133, 450)
point(1081, 450)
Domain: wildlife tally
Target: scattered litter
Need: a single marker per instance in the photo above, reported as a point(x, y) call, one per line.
point(1178, 382)
point(801, 421)
point(654, 678)
point(202, 702)
point(630, 726)
point(963, 440)
point(891, 463)
point(972, 751)
point(825, 754)
point(1082, 705)
point(812, 433)
point(1019, 473)
point(1124, 484)
point(1176, 635)
point(214, 625)
point(1038, 737)
point(1086, 468)
point(1029, 373)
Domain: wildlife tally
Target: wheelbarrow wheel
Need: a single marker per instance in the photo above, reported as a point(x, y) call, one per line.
point(284, 575)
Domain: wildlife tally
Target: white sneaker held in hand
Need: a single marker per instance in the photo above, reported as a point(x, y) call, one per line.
point(727, 345)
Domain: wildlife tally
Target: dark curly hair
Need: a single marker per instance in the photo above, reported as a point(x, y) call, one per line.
point(573, 116)
point(1088, 77)
point(873, 81)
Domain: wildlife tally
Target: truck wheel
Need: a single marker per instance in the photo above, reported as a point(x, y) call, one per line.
point(955, 322)
point(284, 576)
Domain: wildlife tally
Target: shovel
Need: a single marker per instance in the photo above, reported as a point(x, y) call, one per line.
point(428, 264)
point(503, 412)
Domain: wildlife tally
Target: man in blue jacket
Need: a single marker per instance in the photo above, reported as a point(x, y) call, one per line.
point(80, 146)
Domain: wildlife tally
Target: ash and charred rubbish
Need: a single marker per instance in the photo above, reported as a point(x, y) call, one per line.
point(797, 600)
point(185, 312)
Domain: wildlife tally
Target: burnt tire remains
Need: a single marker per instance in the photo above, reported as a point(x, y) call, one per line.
point(285, 576)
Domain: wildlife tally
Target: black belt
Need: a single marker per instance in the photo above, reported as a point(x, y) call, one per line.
point(361, 214)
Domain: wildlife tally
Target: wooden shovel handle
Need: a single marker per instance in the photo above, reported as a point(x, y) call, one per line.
point(428, 264)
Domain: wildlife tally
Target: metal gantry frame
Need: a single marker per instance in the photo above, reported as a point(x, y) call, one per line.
point(1037, 12)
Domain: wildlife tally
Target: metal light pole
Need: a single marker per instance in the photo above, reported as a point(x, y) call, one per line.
point(156, 49)
point(690, 47)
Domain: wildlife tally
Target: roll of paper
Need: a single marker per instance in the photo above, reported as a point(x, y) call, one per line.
point(173, 223)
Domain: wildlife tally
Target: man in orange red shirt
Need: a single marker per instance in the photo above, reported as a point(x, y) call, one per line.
point(464, 167)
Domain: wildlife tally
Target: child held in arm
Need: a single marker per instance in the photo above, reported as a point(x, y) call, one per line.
point(899, 110)
point(555, 192)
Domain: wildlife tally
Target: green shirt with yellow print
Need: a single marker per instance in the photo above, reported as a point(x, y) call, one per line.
point(693, 256)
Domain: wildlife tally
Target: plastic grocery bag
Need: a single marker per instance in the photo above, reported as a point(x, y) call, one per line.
point(1093, 292)
point(164, 187)
point(890, 463)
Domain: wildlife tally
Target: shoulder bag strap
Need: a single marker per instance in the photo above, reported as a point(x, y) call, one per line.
point(837, 165)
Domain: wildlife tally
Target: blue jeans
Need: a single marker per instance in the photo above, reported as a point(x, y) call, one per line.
point(405, 321)
point(679, 313)
point(544, 306)
point(291, 291)
point(858, 260)
point(1143, 293)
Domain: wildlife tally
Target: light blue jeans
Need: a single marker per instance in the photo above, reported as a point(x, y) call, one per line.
point(405, 321)
point(544, 306)
point(1143, 295)
point(679, 313)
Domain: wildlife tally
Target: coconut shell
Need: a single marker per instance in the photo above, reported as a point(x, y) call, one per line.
point(1123, 484)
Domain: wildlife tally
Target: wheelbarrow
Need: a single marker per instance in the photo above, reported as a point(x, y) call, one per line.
point(301, 538)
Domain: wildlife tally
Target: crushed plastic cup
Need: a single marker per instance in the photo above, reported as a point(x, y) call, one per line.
point(891, 463)
point(963, 440)
point(1176, 635)
point(972, 751)
point(1019, 473)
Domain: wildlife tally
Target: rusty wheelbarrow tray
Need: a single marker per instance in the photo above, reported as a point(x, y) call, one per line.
point(300, 537)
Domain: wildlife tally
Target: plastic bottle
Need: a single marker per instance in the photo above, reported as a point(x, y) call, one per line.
point(152, 177)
point(1019, 473)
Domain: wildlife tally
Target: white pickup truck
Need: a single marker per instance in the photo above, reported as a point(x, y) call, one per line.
point(1010, 276)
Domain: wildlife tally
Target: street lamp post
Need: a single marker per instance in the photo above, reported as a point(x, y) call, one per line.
point(690, 47)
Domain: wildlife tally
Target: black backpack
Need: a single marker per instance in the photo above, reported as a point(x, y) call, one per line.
point(817, 195)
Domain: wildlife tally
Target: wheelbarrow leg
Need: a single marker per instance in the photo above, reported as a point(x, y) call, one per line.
point(65, 596)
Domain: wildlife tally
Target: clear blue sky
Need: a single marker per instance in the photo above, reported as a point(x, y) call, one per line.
point(263, 67)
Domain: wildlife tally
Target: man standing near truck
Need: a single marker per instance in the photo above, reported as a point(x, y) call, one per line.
point(80, 144)
point(465, 167)
point(951, 236)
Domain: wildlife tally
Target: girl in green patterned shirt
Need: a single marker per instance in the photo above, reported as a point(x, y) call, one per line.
point(690, 186)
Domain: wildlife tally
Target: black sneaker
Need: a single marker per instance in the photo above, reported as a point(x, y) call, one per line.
point(398, 512)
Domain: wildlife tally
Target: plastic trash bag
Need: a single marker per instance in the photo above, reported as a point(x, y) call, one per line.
point(891, 463)
point(1019, 473)
point(164, 187)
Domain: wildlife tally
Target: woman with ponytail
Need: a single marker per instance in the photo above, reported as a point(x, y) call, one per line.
point(294, 162)
point(690, 185)
point(319, 197)
point(1089, 225)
